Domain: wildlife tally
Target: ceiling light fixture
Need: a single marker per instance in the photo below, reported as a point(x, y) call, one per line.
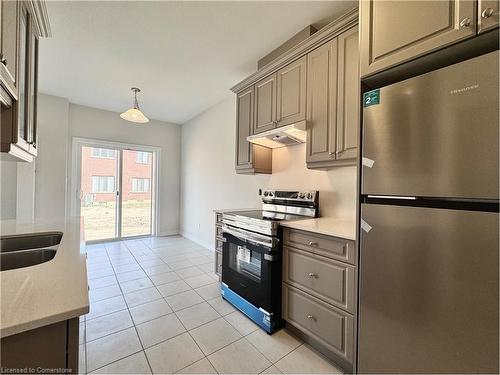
point(135, 114)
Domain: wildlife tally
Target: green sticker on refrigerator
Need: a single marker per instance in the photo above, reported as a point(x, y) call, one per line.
point(371, 98)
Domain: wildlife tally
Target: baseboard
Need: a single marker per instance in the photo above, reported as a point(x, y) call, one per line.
point(171, 232)
point(197, 240)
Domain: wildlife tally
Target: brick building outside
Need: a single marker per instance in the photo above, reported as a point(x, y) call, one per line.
point(99, 175)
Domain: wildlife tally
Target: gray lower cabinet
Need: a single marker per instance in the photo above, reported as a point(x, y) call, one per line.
point(332, 327)
point(249, 158)
point(219, 240)
point(333, 102)
point(321, 277)
point(487, 15)
point(319, 292)
point(319, 244)
point(394, 32)
point(54, 346)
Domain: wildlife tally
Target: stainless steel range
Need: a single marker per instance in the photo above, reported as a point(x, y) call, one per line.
point(251, 262)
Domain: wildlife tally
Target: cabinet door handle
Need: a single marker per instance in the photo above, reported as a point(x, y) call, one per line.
point(313, 243)
point(3, 60)
point(487, 13)
point(310, 317)
point(466, 22)
point(312, 275)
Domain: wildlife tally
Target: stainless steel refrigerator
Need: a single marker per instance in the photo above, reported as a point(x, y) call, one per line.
point(428, 299)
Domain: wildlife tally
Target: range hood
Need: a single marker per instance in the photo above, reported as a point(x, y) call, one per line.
point(289, 135)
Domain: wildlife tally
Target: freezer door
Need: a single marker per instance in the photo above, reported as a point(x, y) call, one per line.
point(435, 135)
point(428, 291)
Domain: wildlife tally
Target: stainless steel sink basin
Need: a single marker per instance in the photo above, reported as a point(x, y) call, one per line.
point(18, 251)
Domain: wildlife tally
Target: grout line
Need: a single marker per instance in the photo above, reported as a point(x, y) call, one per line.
point(133, 323)
point(162, 297)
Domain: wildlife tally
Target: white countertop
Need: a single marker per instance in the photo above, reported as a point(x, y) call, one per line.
point(237, 209)
point(325, 225)
point(49, 292)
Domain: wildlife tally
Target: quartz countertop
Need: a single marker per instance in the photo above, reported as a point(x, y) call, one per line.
point(237, 209)
point(49, 292)
point(325, 225)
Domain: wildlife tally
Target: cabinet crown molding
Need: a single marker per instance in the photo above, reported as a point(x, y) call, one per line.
point(330, 31)
point(39, 9)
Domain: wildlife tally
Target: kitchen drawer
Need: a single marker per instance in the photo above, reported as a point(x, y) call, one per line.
point(218, 231)
point(330, 326)
point(326, 279)
point(218, 244)
point(218, 263)
point(331, 247)
point(218, 218)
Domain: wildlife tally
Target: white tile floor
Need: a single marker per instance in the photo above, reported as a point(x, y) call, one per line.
point(155, 308)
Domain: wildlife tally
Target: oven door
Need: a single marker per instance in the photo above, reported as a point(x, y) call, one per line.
point(251, 267)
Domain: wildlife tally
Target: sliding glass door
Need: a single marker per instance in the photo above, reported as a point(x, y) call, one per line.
point(116, 191)
point(99, 188)
point(136, 193)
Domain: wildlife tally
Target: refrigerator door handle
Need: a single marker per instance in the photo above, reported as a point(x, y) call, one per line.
point(391, 197)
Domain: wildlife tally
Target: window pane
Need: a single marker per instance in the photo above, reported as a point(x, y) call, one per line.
point(103, 153)
point(103, 184)
point(136, 212)
point(142, 157)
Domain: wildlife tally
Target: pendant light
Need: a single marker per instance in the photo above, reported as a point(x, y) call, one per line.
point(135, 114)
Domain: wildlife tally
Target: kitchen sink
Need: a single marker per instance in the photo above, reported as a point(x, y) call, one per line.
point(18, 251)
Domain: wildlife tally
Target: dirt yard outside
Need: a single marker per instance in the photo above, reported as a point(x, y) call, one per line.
point(100, 219)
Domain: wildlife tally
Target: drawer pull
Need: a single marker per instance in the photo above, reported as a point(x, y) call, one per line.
point(312, 275)
point(310, 317)
point(313, 243)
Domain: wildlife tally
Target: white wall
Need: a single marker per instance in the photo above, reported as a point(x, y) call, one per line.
point(95, 123)
point(45, 193)
point(208, 179)
point(8, 189)
point(52, 159)
point(25, 207)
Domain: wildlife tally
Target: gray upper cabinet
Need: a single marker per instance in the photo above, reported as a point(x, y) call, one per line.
point(333, 102)
point(321, 103)
point(9, 46)
point(487, 15)
point(348, 95)
point(244, 124)
point(393, 32)
point(291, 93)
point(250, 158)
point(22, 24)
point(265, 104)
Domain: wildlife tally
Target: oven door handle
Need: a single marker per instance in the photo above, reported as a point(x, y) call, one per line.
point(247, 237)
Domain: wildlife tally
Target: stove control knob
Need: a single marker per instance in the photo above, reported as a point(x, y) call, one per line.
point(271, 194)
point(266, 194)
point(302, 195)
point(309, 195)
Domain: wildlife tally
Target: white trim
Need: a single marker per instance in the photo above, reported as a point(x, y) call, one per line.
point(170, 232)
point(73, 199)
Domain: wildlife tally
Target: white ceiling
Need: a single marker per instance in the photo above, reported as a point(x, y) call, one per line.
point(183, 55)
